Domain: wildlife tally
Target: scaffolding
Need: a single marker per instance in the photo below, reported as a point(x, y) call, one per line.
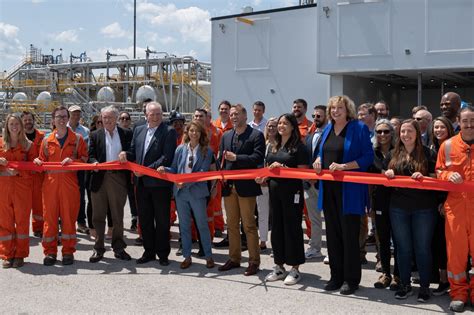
point(180, 83)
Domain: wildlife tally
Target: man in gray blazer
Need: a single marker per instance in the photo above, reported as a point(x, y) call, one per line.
point(153, 145)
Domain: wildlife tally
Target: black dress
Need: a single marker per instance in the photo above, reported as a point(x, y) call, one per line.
point(286, 202)
point(342, 230)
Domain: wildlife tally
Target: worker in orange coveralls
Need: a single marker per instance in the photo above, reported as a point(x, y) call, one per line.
point(61, 196)
point(36, 137)
point(223, 123)
point(15, 198)
point(456, 164)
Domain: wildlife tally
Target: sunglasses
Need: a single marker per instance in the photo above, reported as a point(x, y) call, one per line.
point(124, 118)
point(191, 160)
point(383, 132)
point(418, 118)
point(316, 116)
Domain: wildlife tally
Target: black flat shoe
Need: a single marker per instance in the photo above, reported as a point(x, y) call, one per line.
point(332, 286)
point(96, 257)
point(144, 259)
point(348, 289)
point(122, 255)
point(164, 262)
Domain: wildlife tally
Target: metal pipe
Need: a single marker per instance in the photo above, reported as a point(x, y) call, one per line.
point(134, 29)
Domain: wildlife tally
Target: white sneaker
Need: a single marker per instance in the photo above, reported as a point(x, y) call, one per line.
point(312, 253)
point(326, 260)
point(293, 277)
point(278, 273)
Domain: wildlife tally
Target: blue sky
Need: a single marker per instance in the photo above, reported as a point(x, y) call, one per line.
point(177, 27)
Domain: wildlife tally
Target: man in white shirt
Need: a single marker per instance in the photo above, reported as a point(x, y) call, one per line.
point(109, 188)
point(259, 122)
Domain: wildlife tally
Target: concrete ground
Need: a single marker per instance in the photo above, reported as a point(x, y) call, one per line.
point(113, 286)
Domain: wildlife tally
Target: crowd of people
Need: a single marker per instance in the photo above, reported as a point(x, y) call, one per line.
point(429, 232)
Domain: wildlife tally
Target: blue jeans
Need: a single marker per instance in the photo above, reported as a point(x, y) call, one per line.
point(185, 204)
point(413, 232)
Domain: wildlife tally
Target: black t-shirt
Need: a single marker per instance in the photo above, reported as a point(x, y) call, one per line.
point(291, 158)
point(31, 136)
point(416, 199)
point(333, 148)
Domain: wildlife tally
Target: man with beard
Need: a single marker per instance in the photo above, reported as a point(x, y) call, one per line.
point(35, 136)
point(382, 110)
point(455, 164)
point(300, 106)
point(449, 105)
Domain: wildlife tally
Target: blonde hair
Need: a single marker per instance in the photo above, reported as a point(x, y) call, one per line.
point(7, 138)
point(348, 104)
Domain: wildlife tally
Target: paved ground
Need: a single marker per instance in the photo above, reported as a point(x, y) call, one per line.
point(113, 286)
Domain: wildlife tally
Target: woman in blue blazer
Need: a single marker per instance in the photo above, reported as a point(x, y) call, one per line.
point(345, 145)
point(194, 155)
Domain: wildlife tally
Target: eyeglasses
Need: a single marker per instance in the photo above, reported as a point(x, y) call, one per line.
point(124, 118)
point(60, 116)
point(383, 132)
point(191, 160)
point(316, 116)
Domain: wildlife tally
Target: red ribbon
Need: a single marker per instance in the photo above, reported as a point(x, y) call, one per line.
point(297, 173)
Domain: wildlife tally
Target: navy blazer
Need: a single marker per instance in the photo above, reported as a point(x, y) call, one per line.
point(250, 155)
point(357, 147)
point(160, 152)
point(203, 163)
point(97, 153)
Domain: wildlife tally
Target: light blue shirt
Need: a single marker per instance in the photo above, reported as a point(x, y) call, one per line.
point(82, 130)
point(260, 126)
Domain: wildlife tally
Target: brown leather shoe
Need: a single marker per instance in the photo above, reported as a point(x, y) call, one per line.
point(210, 263)
point(186, 263)
point(228, 266)
point(251, 270)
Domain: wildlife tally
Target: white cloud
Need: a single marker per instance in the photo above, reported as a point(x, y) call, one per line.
point(192, 23)
point(114, 30)
point(10, 46)
point(68, 36)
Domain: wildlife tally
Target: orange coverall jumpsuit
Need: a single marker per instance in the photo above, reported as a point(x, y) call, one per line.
point(61, 192)
point(37, 208)
point(456, 156)
point(15, 204)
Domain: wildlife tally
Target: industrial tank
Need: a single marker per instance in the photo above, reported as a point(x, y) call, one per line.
point(44, 98)
point(20, 97)
point(106, 94)
point(145, 92)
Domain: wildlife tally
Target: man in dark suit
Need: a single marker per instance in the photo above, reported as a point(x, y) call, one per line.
point(311, 188)
point(108, 188)
point(241, 148)
point(153, 145)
